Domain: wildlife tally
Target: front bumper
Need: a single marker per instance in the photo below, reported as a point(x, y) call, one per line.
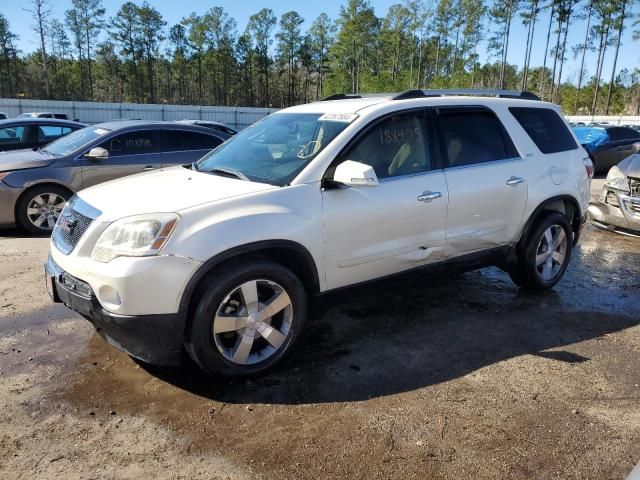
point(616, 211)
point(8, 198)
point(155, 339)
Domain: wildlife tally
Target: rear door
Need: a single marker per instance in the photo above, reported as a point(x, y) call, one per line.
point(486, 179)
point(181, 147)
point(130, 152)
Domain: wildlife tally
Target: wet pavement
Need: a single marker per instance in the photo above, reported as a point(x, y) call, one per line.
point(461, 376)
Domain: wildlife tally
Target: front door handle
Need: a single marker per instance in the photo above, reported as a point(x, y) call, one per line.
point(428, 196)
point(148, 167)
point(515, 181)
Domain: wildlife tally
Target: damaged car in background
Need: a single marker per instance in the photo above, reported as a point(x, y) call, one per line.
point(618, 207)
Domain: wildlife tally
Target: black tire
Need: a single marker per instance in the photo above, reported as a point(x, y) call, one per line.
point(526, 273)
point(204, 346)
point(45, 192)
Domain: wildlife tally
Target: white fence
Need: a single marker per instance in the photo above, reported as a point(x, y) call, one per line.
point(95, 112)
point(612, 119)
point(237, 117)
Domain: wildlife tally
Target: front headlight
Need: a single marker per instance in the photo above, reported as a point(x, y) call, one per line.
point(137, 236)
point(617, 180)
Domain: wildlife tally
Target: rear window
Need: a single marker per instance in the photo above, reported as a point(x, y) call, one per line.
point(545, 127)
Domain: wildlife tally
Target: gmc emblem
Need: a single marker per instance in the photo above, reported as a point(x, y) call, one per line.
point(68, 223)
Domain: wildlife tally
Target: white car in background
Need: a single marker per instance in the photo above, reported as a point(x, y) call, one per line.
point(222, 257)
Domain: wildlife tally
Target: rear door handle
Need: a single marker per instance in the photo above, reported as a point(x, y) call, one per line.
point(515, 181)
point(428, 196)
point(148, 167)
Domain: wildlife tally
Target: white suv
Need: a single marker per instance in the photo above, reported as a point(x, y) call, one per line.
point(222, 257)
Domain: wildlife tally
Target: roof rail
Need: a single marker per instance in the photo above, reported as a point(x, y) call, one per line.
point(408, 94)
point(465, 91)
point(341, 96)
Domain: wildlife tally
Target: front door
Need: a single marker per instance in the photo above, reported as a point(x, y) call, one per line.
point(129, 153)
point(371, 232)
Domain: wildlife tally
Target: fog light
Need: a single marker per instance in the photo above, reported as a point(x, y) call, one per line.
point(109, 295)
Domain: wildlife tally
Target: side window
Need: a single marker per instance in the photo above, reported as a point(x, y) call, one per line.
point(545, 127)
point(179, 140)
point(51, 132)
point(11, 135)
point(395, 147)
point(623, 134)
point(473, 136)
point(133, 143)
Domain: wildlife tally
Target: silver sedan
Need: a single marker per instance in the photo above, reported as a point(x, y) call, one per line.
point(618, 207)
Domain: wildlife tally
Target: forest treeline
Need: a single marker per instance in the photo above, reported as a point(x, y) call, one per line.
point(135, 56)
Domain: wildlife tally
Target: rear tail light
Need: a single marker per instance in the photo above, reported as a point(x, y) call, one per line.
point(588, 164)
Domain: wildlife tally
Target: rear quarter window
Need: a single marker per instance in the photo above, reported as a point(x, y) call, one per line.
point(545, 127)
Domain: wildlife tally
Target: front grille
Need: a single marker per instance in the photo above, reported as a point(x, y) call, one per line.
point(632, 206)
point(611, 199)
point(634, 187)
point(69, 229)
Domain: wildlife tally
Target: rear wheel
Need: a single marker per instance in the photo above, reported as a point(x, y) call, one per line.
point(39, 208)
point(248, 319)
point(545, 254)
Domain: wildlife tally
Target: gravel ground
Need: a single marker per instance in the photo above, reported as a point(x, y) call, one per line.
point(454, 377)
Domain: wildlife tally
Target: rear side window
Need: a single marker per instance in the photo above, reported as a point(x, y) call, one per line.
point(472, 136)
point(11, 135)
point(51, 132)
point(180, 140)
point(545, 127)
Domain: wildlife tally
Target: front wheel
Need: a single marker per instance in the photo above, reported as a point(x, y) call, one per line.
point(545, 254)
point(247, 319)
point(39, 208)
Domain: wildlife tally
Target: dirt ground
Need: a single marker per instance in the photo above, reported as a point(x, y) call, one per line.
point(455, 377)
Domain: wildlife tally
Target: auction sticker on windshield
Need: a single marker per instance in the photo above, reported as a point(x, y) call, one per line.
point(339, 117)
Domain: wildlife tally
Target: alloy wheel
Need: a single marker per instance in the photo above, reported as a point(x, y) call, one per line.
point(252, 322)
point(44, 209)
point(551, 253)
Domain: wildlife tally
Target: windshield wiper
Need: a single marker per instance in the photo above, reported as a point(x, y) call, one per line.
point(194, 166)
point(230, 173)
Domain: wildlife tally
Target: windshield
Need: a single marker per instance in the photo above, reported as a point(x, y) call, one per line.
point(275, 149)
point(69, 143)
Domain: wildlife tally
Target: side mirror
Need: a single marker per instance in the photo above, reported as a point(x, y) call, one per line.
point(98, 153)
point(355, 174)
point(636, 147)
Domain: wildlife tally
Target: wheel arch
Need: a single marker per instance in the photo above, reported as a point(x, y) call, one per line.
point(285, 252)
point(564, 204)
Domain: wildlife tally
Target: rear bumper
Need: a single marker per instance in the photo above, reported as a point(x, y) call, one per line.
point(155, 339)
